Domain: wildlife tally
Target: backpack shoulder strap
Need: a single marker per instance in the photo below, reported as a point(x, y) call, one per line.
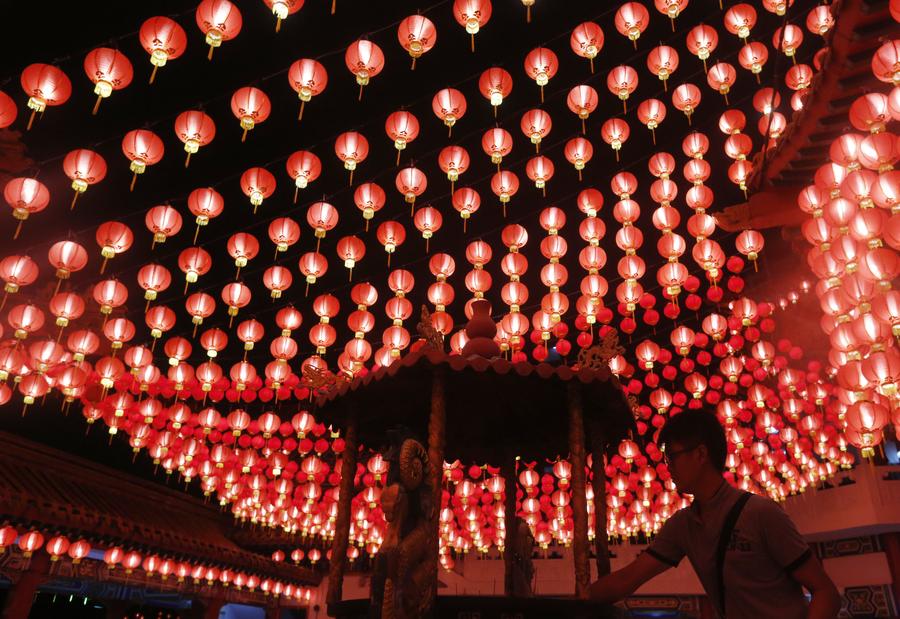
point(724, 537)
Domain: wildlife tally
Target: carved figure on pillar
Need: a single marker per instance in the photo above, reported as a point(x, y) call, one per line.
point(400, 587)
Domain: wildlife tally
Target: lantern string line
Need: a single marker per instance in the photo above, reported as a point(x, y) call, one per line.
point(138, 213)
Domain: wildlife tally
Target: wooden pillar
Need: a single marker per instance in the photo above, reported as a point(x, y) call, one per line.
point(891, 544)
point(598, 484)
point(342, 522)
point(579, 500)
point(212, 607)
point(21, 594)
point(508, 471)
point(436, 438)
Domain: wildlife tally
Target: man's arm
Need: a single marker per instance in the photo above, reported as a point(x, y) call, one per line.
point(622, 583)
point(826, 602)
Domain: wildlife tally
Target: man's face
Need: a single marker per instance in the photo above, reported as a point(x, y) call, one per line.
point(686, 462)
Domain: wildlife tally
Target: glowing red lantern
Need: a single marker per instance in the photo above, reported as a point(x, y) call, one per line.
point(45, 85)
point(449, 105)
point(163, 221)
point(143, 148)
point(497, 143)
point(541, 64)
point(662, 62)
point(582, 100)
point(504, 184)
point(411, 182)
point(25, 196)
point(622, 81)
point(250, 106)
point(472, 15)
point(702, 41)
point(495, 84)
point(365, 60)
point(352, 148)
point(632, 18)
point(578, 152)
point(110, 70)
point(205, 203)
point(195, 129)
point(85, 168)
point(257, 184)
point(369, 198)
point(417, 35)
point(163, 39)
point(350, 249)
point(219, 20)
point(281, 9)
point(304, 167)
point(308, 78)
point(587, 41)
point(402, 127)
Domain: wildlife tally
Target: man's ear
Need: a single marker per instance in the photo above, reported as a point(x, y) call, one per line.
point(703, 452)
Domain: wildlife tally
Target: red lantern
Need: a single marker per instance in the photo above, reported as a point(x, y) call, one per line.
point(143, 148)
point(495, 84)
point(622, 81)
point(472, 15)
point(110, 70)
point(18, 271)
point(195, 129)
point(449, 105)
point(662, 62)
point(369, 198)
point(352, 148)
point(651, 113)
point(277, 279)
point(85, 168)
point(632, 18)
point(219, 20)
point(497, 143)
point(153, 278)
point(411, 182)
point(541, 64)
point(453, 161)
point(587, 41)
point(308, 78)
point(205, 204)
point(536, 125)
point(686, 98)
point(753, 57)
point(283, 232)
point(163, 39)
point(391, 235)
point(740, 19)
point(163, 221)
point(281, 9)
point(578, 152)
point(582, 100)
point(304, 167)
point(466, 201)
point(8, 111)
point(721, 77)
point(365, 60)
point(615, 132)
point(45, 85)
point(702, 41)
point(540, 170)
point(417, 35)
point(351, 249)
point(402, 127)
point(504, 184)
point(25, 196)
point(257, 184)
point(322, 217)
point(250, 106)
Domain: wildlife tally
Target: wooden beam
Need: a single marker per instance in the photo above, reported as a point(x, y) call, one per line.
point(342, 522)
point(579, 498)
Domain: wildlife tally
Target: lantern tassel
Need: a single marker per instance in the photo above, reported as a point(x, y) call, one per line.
point(196, 234)
point(503, 205)
point(360, 92)
point(56, 289)
point(187, 160)
point(449, 131)
point(704, 64)
point(147, 306)
point(238, 274)
point(413, 68)
point(153, 344)
point(59, 335)
point(389, 260)
point(495, 110)
point(74, 199)
point(653, 133)
point(296, 191)
point(583, 128)
point(617, 154)
point(306, 294)
point(351, 178)
point(153, 73)
point(544, 191)
point(333, 6)
point(318, 242)
point(195, 331)
point(367, 225)
point(18, 229)
point(427, 245)
point(757, 78)
point(230, 320)
point(30, 120)
point(350, 278)
point(211, 50)
point(3, 302)
point(665, 85)
point(103, 265)
point(755, 266)
point(96, 106)
point(133, 181)
point(244, 136)
point(591, 61)
point(302, 107)
point(473, 49)
point(24, 408)
point(624, 106)
point(277, 24)
point(579, 175)
point(726, 98)
point(398, 159)
point(542, 94)
point(464, 225)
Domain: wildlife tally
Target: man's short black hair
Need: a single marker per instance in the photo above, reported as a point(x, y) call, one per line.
point(697, 427)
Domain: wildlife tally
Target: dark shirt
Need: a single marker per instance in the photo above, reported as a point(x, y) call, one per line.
point(764, 549)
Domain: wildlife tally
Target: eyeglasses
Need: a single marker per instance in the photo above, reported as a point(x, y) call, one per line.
point(670, 456)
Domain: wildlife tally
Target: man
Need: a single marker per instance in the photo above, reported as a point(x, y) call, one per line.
point(761, 570)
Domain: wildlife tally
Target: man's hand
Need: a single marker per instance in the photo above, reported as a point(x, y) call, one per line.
point(622, 583)
point(826, 602)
